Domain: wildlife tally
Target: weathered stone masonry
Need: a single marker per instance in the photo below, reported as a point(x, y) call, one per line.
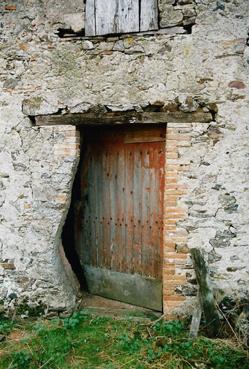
point(207, 170)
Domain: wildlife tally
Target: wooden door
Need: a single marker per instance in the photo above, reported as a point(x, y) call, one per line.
point(120, 230)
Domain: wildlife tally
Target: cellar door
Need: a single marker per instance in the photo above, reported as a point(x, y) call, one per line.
point(120, 222)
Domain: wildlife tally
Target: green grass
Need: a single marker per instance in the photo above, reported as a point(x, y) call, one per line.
point(86, 342)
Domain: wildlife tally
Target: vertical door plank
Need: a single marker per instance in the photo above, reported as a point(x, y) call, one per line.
point(118, 258)
point(156, 249)
point(148, 15)
point(153, 214)
point(145, 193)
point(99, 198)
point(90, 26)
point(137, 213)
point(116, 16)
point(121, 176)
point(113, 246)
point(95, 214)
point(104, 207)
point(90, 200)
point(128, 16)
point(106, 16)
point(129, 167)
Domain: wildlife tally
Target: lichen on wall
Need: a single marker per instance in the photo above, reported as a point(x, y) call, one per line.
point(41, 73)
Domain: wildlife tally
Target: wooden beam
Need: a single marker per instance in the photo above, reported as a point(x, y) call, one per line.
point(206, 295)
point(123, 118)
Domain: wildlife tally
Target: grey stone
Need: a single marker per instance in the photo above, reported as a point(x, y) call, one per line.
point(170, 17)
point(11, 83)
point(222, 239)
point(75, 21)
point(87, 45)
point(213, 257)
point(187, 290)
point(185, 2)
point(228, 203)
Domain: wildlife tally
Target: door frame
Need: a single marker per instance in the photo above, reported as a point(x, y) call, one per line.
point(179, 133)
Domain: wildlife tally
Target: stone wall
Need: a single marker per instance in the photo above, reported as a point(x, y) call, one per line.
point(41, 73)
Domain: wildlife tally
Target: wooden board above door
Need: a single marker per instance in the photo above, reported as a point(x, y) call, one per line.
point(134, 135)
point(105, 17)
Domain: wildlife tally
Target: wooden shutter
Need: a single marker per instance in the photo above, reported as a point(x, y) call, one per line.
point(120, 16)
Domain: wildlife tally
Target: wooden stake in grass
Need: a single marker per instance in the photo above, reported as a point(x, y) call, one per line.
point(196, 319)
point(206, 296)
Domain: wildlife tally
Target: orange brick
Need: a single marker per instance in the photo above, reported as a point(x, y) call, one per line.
point(169, 191)
point(179, 125)
point(184, 143)
point(171, 130)
point(72, 134)
point(173, 237)
point(172, 173)
point(172, 167)
point(168, 290)
point(176, 255)
point(170, 244)
point(61, 198)
point(175, 187)
point(170, 196)
point(168, 272)
point(172, 155)
point(174, 209)
point(169, 228)
point(170, 177)
point(63, 153)
point(67, 146)
point(182, 160)
point(10, 7)
point(171, 180)
point(172, 304)
point(184, 168)
point(177, 279)
point(169, 316)
point(168, 249)
point(172, 203)
point(177, 137)
point(169, 221)
point(171, 146)
point(171, 199)
point(175, 216)
point(173, 298)
point(167, 265)
point(171, 284)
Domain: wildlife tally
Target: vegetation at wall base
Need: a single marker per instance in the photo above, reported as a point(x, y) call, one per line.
point(84, 341)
